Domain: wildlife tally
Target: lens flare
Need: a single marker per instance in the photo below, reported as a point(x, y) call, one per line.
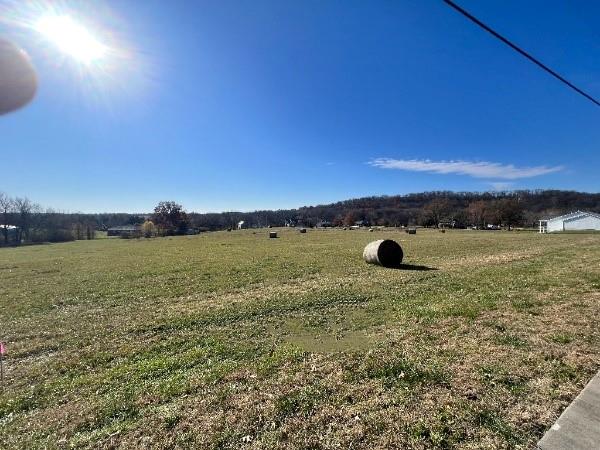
point(85, 44)
point(71, 38)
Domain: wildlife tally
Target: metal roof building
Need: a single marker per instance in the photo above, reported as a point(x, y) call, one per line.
point(576, 221)
point(123, 229)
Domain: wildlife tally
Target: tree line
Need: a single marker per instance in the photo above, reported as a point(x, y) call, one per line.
point(21, 220)
point(31, 223)
point(458, 209)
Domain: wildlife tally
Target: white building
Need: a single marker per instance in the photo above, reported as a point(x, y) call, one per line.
point(8, 233)
point(576, 221)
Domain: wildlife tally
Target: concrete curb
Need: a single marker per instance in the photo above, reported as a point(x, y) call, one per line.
point(578, 427)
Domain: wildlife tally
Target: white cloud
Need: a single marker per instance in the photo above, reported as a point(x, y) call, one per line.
point(481, 169)
point(501, 185)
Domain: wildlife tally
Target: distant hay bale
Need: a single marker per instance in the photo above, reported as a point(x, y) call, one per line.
point(442, 231)
point(384, 252)
point(302, 230)
point(411, 230)
point(272, 234)
point(370, 230)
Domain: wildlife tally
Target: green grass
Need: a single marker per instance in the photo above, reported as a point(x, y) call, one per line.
point(225, 340)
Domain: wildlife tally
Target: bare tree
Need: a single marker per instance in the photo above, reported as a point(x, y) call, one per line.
point(477, 212)
point(437, 210)
point(350, 218)
point(90, 232)
point(7, 206)
point(24, 210)
point(511, 211)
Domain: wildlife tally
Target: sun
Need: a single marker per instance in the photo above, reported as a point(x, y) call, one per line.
point(71, 38)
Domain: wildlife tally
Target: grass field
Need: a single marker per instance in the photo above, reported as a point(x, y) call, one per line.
point(226, 340)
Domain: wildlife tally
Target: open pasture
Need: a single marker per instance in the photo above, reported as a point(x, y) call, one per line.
point(227, 340)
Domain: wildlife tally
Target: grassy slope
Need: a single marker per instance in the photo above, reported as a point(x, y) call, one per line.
point(231, 339)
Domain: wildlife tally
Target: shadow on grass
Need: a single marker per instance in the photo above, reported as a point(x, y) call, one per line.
point(413, 267)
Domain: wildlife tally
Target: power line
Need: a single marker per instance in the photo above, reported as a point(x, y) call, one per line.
point(522, 52)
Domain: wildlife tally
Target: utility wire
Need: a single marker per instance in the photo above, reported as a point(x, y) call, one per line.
point(522, 52)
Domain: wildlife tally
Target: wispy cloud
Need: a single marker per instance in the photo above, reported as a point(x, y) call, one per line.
point(501, 185)
point(481, 169)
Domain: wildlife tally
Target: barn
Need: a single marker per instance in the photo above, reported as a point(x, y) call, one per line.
point(576, 221)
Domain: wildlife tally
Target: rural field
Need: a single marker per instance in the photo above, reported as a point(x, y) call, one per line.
point(229, 340)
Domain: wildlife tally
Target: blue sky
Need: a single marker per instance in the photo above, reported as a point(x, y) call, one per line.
point(229, 105)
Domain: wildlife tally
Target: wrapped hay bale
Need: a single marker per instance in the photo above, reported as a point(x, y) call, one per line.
point(302, 230)
point(384, 252)
point(272, 234)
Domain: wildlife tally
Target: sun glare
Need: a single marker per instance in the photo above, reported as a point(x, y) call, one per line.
point(71, 38)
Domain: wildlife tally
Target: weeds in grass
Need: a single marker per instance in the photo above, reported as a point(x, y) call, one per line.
point(563, 372)
point(442, 431)
point(511, 340)
point(301, 402)
point(494, 376)
point(562, 338)
point(282, 355)
point(398, 370)
point(490, 419)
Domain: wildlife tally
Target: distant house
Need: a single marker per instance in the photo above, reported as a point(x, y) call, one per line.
point(124, 230)
point(361, 223)
point(447, 224)
point(11, 232)
point(324, 224)
point(576, 221)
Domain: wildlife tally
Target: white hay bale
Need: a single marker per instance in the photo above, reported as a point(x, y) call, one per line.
point(384, 252)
